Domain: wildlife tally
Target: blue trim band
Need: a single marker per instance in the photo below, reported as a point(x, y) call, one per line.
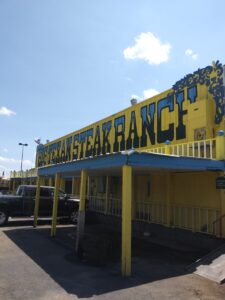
point(136, 159)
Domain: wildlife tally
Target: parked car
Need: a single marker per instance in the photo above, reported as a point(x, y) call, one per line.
point(22, 204)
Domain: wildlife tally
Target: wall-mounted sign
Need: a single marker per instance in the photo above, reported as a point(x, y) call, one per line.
point(172, 115)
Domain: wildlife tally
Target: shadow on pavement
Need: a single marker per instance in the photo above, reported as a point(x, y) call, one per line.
point(57, 258)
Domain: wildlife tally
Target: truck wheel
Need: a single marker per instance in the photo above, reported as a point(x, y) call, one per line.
point(3, 217)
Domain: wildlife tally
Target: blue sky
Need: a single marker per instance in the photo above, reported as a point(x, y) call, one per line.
point(66, 64)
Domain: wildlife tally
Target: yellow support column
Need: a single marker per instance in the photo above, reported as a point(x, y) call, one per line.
point(62, 184)
point(126, 220)
point(50, 181)
point(10, 185)
point(55, 204)
point(133, 206)
point(37, 201)
point(14, 186)
point(81, 215)
point(220, 145)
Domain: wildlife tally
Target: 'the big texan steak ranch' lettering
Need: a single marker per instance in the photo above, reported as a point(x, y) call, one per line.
point(141, 127)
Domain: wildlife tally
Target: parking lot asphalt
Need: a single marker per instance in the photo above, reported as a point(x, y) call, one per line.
point(35, 266)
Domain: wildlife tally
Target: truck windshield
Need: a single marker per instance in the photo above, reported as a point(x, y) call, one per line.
point(19, 191)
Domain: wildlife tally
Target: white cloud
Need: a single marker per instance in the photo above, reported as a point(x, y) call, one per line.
point(26, 162)
point(146, 94)
point(6, 112)
point(136, 97)
point(7, 160)
point(5, 150)
point(195, 56)
point(10, 164)
point(188, 52)
point(150, 93)
point(150, 48)
point(191, 53)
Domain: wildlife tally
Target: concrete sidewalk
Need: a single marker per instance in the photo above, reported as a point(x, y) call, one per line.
point(212, 266)
point(35, 266)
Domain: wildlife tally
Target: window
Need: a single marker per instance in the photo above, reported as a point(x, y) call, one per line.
point(101, 184)
point(46, 192)
point(30, 191)
point(19, 191)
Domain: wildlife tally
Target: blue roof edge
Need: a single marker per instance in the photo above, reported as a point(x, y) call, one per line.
point(135, 159)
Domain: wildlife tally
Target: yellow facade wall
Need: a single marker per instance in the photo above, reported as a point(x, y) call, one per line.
point(183, 200)
point(197, 189)
point(194, 103)
point(76, 186)
point(194, 202)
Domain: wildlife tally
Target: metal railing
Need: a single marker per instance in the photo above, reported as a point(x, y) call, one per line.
point(152, 212)
point(115, 207)
point(217, 226)
point(98, 204)
point(158, 150)
point(197, 219)
point(197, 149)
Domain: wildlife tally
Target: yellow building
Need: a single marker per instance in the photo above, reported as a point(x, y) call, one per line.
point(4, 184)
point(22, 177)
point(160, 161)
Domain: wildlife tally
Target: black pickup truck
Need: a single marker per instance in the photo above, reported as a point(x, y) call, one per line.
point(22, 204)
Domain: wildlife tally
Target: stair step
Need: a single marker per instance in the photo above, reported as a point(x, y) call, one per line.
point(211, 266)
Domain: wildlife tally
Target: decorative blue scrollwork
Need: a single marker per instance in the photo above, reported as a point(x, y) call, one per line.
point(214, 84)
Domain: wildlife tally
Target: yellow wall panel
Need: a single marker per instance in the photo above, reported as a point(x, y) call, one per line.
point(196, 189)
point(194, 102)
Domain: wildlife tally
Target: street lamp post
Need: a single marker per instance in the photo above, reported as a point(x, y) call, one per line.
point(21, 167)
